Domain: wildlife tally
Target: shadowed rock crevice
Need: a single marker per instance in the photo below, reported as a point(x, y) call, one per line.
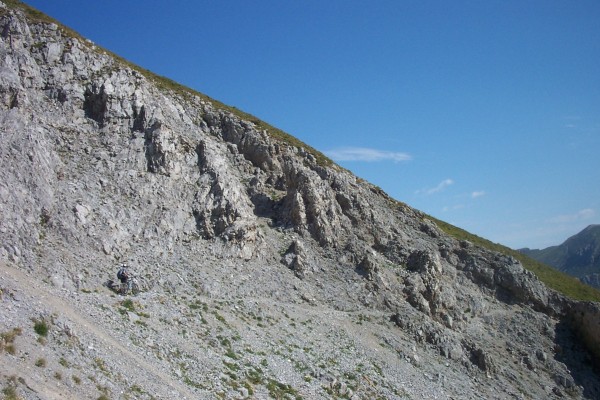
point(95, 104)
point(582, 365)
point(139, 119)
point(153, 150)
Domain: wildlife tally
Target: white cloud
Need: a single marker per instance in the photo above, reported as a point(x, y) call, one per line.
point(366, 154)
point(452, 208)
point(581, 215)
point(477, 193)
point(441, 186)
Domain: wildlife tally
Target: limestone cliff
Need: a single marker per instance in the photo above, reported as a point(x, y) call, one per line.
point(311, 282)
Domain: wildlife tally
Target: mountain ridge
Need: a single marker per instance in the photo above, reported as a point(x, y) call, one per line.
point(275, 274)
point(579, 255)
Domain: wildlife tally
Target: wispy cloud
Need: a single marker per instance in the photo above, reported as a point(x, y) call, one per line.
point(366, 154)
point(477, 193)
point(571, 121)
point(441, 186)
point(452, 208)
point(581, 215)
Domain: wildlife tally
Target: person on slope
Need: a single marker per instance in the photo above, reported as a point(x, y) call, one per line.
point(125, 276)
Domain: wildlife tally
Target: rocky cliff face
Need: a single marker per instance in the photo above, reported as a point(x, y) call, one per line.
point(273, 272)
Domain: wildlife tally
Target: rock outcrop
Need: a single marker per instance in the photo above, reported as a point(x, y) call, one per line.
point(294, 277)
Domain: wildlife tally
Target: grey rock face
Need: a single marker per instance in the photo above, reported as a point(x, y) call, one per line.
point(291, 275)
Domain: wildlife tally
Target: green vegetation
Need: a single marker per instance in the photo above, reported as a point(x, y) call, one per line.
point(278, 390)
point(554, 279)
point(40, 362)
point(10, 393)
point(41, 328)
point(219, 317)
point(128, 305)
point(101, 365)
point(7, 340)
point(44, 218)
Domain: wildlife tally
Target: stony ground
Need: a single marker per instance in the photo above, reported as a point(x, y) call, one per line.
point(187, 344)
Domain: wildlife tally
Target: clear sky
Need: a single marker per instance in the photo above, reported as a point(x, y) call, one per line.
point(485, 114)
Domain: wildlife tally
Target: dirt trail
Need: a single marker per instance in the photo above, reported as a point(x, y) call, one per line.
point(26, 283)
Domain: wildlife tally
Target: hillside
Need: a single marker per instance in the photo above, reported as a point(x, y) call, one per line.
point(272, 272)
point(578, 256)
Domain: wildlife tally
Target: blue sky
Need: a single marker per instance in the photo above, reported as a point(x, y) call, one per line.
point(485, 114)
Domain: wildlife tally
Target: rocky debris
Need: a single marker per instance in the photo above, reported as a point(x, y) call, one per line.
point(296, 258)
point(273, 274)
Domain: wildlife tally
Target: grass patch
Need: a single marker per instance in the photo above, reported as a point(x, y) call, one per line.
point(249, 388)
point(101, 365)
point(554, 279)
point(128, 305)
point(231, 354)
point(7, 340)
point(219, 317)
point(188, 381)
point(41, 362)
point(280, 390)
point(232, 366)
point(10, 393)
point(41, 327)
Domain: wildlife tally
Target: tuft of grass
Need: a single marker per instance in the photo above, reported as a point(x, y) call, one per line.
point(128, 305)
point(280, 390)
point(136, 389)
point(41, 362)
point(232, 366)
point(41, 328)
point(10, 393)
point(553, 278)
point(219, 317)
point(100, 364)
point(7, 340)
point(231, 354)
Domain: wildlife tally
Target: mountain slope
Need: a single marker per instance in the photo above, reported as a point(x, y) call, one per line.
point(274, 273)
point(578, 256)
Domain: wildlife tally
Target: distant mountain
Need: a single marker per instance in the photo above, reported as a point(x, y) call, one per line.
point(579, 255)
